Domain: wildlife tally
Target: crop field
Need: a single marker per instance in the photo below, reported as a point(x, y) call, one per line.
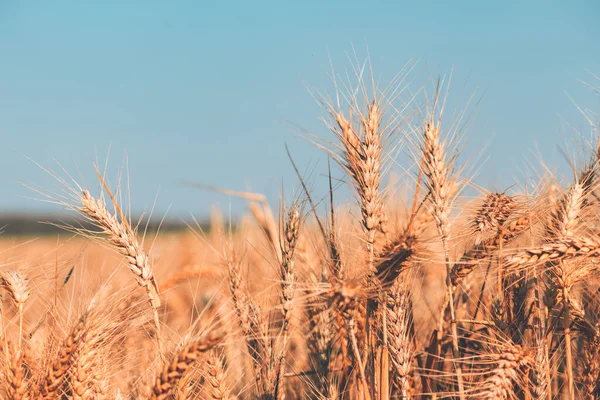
point(425, 286)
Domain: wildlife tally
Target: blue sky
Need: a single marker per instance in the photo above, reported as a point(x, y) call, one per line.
point(210, 91)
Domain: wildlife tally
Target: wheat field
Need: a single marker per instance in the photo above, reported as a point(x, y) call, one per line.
point(427, 286)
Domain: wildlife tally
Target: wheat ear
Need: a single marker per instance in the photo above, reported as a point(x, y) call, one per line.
point(510, 361)
point(180, 363)
point(288, 285)
point(86, 371)
point(470, 260)
point(567, 216)
point(19, 291)
point(540, 370)
point(560, 249)
point(394, 259)
point(591, 364)
point(120, 234)
point(362, 160)
point(399, 325)
point(345, 298)
point(57, 370)
point(16, 383)
point(216, 377)
point(250, 319)
point(495, 209)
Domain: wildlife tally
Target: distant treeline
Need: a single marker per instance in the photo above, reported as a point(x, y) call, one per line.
point(14, 224)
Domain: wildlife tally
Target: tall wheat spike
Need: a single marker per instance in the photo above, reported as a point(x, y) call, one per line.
point(19, 290)
point(288, 284)
point(122, 236)
point(439, 182)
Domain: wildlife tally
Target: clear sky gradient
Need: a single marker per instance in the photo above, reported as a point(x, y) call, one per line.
point(210, 91)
